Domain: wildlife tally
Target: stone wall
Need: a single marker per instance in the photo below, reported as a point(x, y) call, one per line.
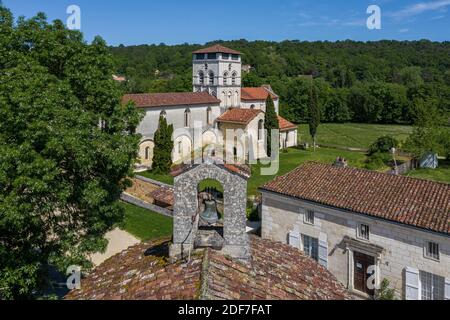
point(145, 205)
point(403, 246)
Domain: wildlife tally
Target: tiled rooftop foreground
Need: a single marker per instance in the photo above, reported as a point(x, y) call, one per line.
point(276, 272)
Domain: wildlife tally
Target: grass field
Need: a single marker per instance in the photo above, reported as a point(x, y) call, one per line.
point(289, 160)
point(441, 174)
point(294, 157)
point(353, 135)
point(167, 179)
point(144, 224)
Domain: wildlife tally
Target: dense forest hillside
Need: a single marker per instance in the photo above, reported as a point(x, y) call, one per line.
point(373, 82)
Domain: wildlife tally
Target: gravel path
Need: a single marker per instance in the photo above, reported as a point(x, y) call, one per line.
point(119, 240)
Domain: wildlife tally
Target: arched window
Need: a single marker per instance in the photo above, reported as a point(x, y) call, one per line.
point(230, 97)
point(252, 106)
point(201, 77)
point(187, 118)
point(163, 114)
point(211, 78)
point(209, 116)
point(233, 78)
point(224, 98)
point(147, 153)
point(260, 129)
point(225, 79)
point(236, 99)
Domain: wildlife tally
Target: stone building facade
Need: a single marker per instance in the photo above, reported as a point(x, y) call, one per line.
point(358, 247)
point(216, 88)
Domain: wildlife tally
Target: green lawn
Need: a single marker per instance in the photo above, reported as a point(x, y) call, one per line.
point(144, 224)
point(295, 157)
point(289, 161)
point(441, 174)
point(167, 179)
point(353, 135)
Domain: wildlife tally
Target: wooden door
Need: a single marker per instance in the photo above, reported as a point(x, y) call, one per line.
point(362, 262)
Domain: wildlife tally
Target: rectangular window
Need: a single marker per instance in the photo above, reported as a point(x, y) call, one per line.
point(235, 57)
point(432, 250)
point(309, 217)
point(311, 247)
point(200, 56)
point(364, 232)
point(433, 286)
point(225, 56)
point(212, 56)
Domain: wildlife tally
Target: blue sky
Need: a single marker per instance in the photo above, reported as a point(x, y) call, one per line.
point(178, 21)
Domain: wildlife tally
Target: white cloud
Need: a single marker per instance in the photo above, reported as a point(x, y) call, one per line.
point(420, 8)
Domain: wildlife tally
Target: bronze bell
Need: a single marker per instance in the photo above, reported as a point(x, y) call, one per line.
point(210, 214)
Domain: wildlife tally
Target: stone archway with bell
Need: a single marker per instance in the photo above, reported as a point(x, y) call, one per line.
point(197, 221)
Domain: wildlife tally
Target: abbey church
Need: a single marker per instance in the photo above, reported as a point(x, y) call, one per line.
point(217, 105)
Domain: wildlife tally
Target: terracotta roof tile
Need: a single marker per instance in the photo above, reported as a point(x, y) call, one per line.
point(163, 195)
point(141, 273)
point(148, 100)
point(285, 125)
point(276, 271)
point(217, 49)
point(419, 203)
point(240, 116)
point(259, 93)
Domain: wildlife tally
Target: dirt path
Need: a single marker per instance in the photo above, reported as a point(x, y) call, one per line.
point(119, 240)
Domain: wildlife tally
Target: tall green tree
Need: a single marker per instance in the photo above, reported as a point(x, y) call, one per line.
point(67, 148)
point(431, 132)
point(270, 123)
point(162, 155)
point(313, 114)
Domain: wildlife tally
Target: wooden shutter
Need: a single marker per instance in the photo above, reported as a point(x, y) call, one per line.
point(294, 239)
point(412, 284)
point(447, 289)
point(323, 250)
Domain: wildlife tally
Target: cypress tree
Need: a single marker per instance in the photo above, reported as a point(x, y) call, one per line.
point(162, 156)
point(270, 123)
point(313, 114)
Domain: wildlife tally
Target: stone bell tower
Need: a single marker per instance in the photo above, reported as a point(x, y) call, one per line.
point(187, 232)
point(218, 71)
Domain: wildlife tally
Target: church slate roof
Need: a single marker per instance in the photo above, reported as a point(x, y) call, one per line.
point(239, 115)
point(258, 93)
point(276, 272)
point(217, 49)
point(149, 100)
point(414, 202)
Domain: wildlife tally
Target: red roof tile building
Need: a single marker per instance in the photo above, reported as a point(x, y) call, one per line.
point(239, 116)
point(277, 272)
point(217, 49)
point(253, 94)
point(158, 100)
point(218, 103)
point(350, 219)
